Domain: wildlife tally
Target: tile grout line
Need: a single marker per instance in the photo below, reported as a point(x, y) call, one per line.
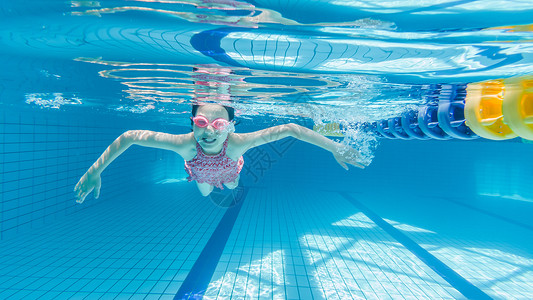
point(453, 278)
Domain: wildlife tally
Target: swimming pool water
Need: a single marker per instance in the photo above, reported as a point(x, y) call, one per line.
point(428, 219)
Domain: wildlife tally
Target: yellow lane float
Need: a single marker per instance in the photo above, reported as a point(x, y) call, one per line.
point(518, 106)
point(483, 110)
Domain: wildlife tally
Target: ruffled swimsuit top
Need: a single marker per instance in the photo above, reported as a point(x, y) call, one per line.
point(213, 169)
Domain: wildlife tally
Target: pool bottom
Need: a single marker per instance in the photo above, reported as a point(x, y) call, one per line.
point(284, 244)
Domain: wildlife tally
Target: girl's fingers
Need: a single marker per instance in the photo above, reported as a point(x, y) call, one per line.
point(359, 165)
point(81, 194)
point(80, 200)
point(97, 192)
point(342, 164)
point(356, 163)
point(342, 160)
point(82, 191)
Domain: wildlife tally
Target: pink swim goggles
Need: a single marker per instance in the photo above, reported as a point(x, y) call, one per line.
point(218, 124)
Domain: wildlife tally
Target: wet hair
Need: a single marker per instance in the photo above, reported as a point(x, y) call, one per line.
point(230, 110)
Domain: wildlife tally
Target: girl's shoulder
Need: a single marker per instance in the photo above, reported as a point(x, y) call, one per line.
point(188, 147)
point(185, 140)
point(237, 139)
point(236, 145)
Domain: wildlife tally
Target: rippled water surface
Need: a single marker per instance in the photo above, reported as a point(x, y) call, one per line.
point(287, 60)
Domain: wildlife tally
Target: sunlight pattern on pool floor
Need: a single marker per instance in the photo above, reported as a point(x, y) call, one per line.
point(290, 244)
point(286, 243)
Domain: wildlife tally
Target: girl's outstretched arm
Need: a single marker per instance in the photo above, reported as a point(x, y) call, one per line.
point(342, 153)
point(91, 179)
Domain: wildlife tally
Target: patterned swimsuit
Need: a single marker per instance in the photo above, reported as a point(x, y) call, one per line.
point(213, 169)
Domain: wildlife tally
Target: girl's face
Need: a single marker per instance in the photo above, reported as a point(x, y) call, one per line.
point(210, 139)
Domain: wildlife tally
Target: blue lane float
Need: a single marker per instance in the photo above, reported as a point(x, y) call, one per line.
point(429, 122)
point(450, 114)
point(382, 126)
point(441, 118)
point(411, 127)
point(396, 128)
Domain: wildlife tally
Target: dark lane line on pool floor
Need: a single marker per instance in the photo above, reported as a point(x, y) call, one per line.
point(453, 278)
point(197, 281)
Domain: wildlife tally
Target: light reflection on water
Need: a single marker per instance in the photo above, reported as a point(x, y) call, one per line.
point(263, 57)
point(321, 98)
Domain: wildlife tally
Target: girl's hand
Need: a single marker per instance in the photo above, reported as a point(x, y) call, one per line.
point(87, 183)
point(347, 155)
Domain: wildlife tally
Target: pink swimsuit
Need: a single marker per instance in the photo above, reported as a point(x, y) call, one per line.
point(213, 169)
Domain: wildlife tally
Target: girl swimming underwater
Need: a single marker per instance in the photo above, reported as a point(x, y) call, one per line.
point(212, 151)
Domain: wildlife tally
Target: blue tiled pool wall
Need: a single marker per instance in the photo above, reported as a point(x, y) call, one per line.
point(43, 153)
point(493, 177)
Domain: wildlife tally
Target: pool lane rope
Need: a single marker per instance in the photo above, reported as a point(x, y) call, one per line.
point(499, 109)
